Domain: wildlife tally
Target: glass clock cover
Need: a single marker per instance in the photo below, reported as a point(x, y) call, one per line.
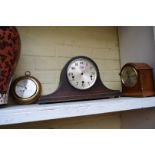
point(25, 88)
point(129, 76)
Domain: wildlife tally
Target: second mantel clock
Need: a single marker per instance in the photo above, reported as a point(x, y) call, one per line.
point(79, 80)
point(137, 80)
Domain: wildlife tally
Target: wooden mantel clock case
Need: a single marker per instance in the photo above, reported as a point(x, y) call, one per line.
point(137, 80)
point(79, 80)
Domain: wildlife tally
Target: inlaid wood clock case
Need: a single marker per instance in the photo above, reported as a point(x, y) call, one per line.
point(144, 85)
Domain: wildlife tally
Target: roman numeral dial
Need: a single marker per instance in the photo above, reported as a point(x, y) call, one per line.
point(81, 73)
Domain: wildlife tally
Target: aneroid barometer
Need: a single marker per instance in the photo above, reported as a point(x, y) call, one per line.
point(79, 80)
point(26, 89)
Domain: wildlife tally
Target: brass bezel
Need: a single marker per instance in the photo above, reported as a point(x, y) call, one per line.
point(31, 99)
point(122, 77)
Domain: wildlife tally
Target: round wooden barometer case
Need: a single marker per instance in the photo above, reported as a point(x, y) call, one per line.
point(79, 80)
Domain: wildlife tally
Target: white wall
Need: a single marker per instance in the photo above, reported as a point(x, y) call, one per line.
point(137, 44)
point(154, 32)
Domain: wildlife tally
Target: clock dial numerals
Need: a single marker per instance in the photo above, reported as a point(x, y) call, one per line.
point(81, 73)
point(129, 76)
point(73, 68)
point(25, 88)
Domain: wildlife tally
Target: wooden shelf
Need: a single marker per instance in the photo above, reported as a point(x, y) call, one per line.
point(31, 113)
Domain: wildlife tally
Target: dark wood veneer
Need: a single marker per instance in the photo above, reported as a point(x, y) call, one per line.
point(65, 92)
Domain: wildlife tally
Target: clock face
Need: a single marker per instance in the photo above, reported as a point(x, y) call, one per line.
point(25, 88)
point(82, 73)
point(129, 76)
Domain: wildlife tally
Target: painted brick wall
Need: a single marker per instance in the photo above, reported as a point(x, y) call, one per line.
point(45, 50)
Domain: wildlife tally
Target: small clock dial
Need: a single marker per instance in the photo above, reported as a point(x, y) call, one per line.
point(25, 88)
point(129, 76)
point(82, 73)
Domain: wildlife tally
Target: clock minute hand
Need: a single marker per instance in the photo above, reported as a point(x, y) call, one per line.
point(22, 86)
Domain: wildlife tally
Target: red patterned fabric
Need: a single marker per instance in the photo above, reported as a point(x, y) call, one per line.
point(9, 54)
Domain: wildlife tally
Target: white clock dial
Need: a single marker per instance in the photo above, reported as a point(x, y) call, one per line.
point(25, 88)
point(82, 73)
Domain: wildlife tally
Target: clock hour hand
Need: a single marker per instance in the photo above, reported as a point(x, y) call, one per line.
point(82, 83)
